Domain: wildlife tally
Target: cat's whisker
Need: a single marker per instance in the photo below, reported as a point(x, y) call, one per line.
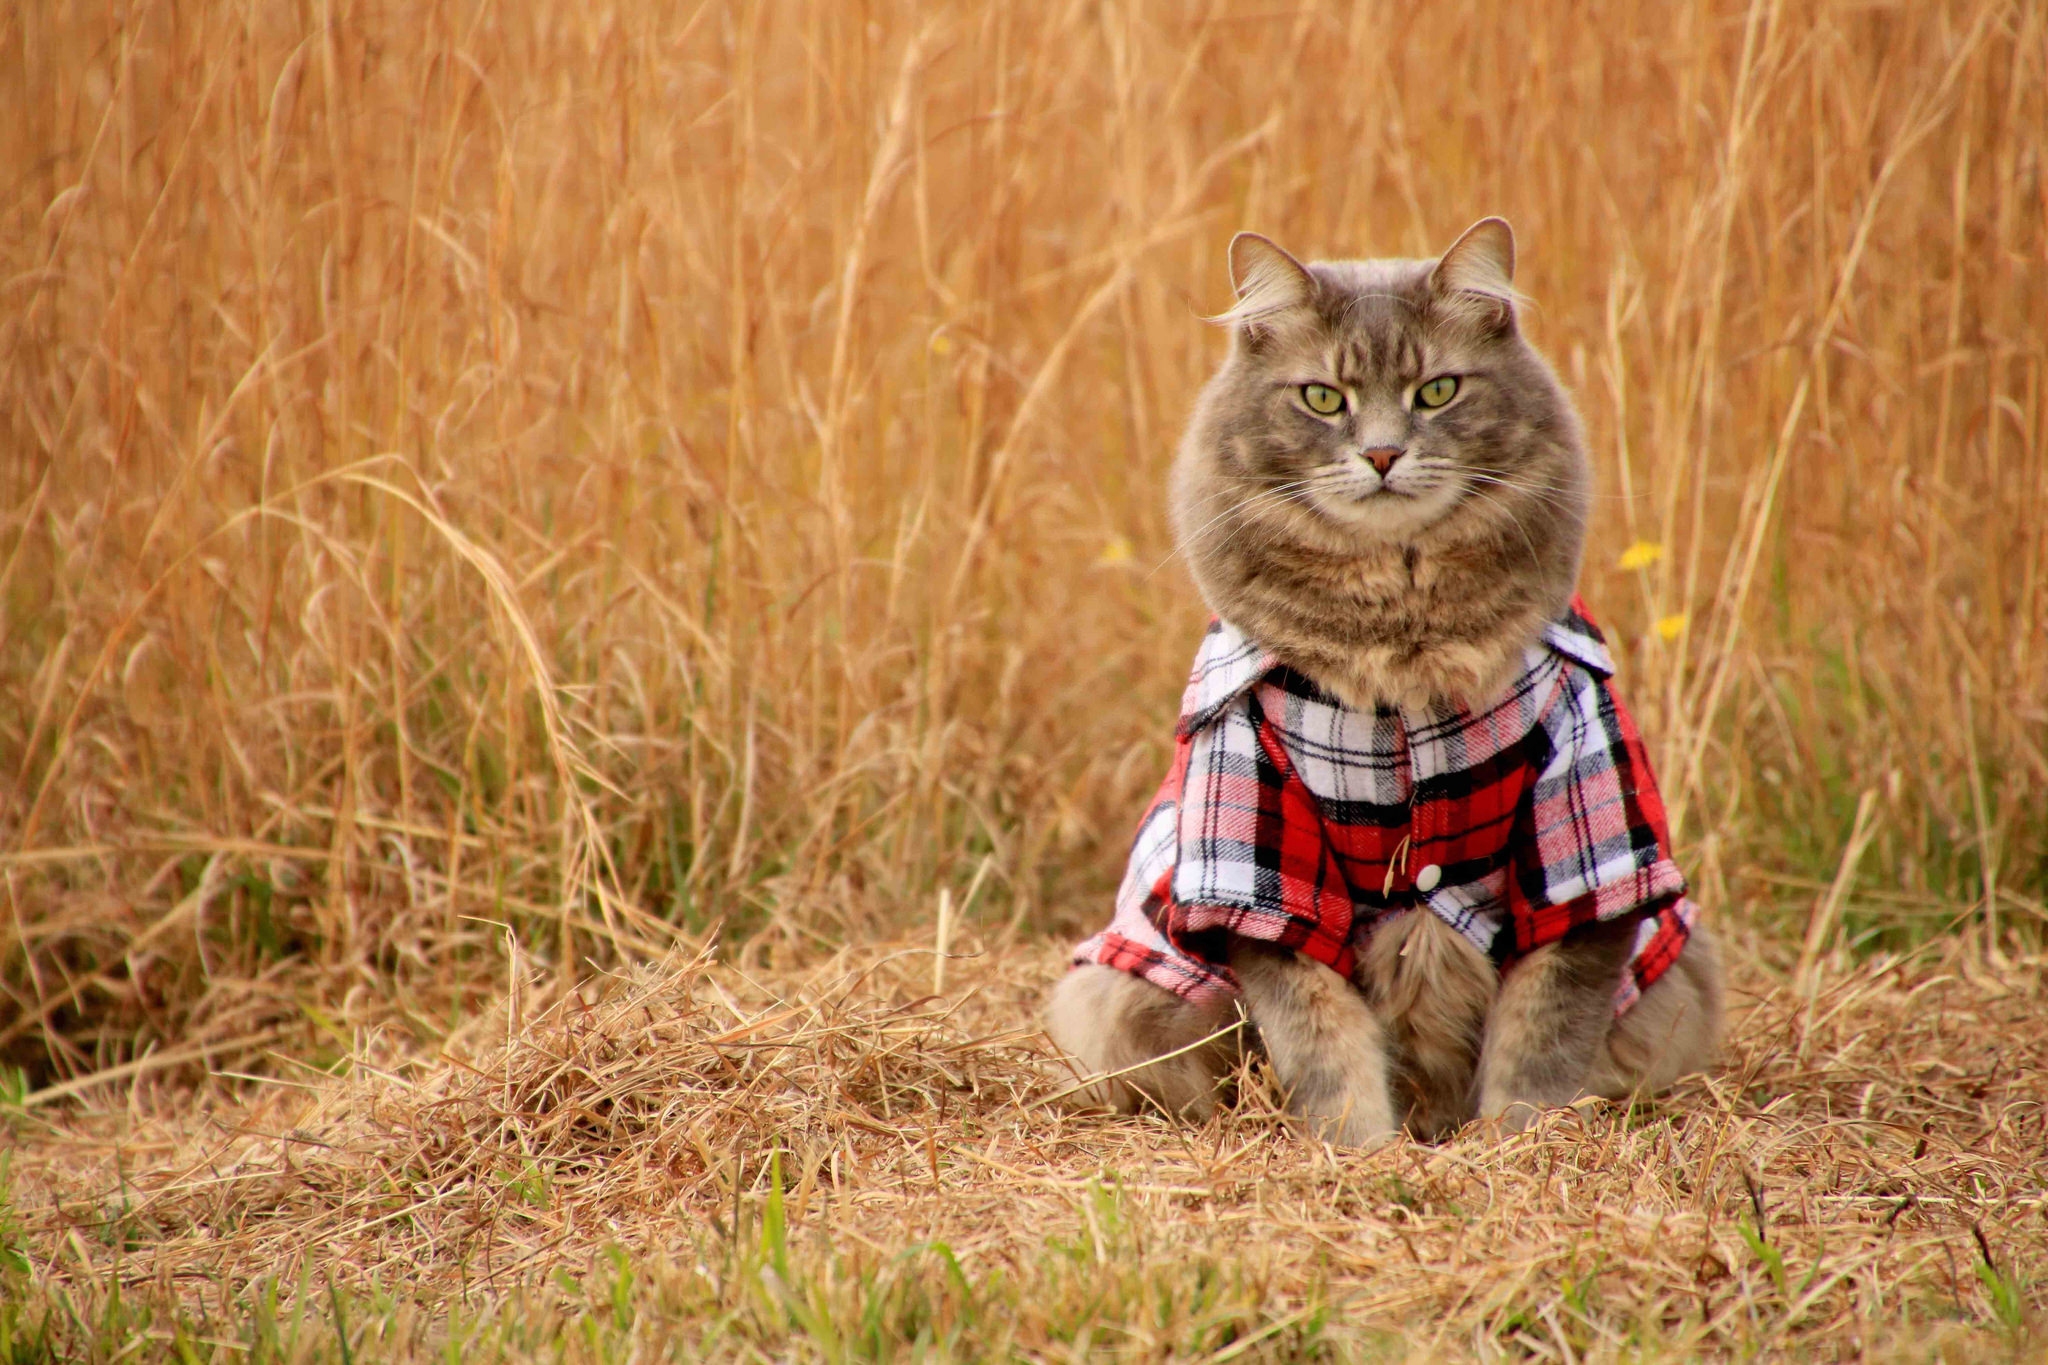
point(1300, 493)
point(1238, 508)
point(1519, 485)
point(1280, 493)
point(1514, 520)
point(1545, 487)
point(1542, 497)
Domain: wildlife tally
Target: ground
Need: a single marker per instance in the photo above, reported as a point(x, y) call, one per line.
point(695, 1160)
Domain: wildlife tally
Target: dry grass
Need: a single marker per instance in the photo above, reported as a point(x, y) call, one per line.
point(617, 470)
point(735, 1167)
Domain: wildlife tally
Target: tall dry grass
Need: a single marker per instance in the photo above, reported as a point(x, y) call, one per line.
point(615, 469)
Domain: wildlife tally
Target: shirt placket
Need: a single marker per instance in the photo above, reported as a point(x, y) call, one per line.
point(1420, 872)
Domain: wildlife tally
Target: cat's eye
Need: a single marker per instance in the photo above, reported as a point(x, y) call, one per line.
point(1437, 391)
point(1323, 399)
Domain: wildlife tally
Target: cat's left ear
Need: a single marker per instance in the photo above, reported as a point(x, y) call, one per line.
point(1479, 270)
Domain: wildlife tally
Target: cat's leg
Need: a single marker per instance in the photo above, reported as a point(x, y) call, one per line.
point(1550, 1021)
point(1670, 1032)
point(1326, 1045)
point(1114, 1023)
point(1432, 988)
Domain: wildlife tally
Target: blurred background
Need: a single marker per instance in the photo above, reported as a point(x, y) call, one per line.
point(589, 475)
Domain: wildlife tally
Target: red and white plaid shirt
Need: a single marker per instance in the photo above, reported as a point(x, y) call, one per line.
point(1292, 818)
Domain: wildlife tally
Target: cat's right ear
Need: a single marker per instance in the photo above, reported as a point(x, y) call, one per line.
point(1269, 284)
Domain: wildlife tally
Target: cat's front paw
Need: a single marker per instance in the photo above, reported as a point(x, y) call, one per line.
point(1354, 1134)
point(1511, 1116)
point(1135, 1047)
point(1351, 1110)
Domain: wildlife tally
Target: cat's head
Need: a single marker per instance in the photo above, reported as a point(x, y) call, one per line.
point(1368, 404)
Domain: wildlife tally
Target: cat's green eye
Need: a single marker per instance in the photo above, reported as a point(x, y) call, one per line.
point(1321, 398)
point(1437, 391)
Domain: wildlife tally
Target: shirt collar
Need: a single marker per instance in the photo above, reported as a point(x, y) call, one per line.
point(1226, 666)
point(1576, 637)
point(1230, 662)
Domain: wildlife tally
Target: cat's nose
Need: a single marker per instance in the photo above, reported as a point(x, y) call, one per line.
point(1382, 457)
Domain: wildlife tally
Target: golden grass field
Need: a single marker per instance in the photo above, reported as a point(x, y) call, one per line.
point(587, 606)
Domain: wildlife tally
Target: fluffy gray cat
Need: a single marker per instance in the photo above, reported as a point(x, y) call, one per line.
point(1401, 710)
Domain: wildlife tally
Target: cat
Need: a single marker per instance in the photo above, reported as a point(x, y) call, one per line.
point(1410, 835)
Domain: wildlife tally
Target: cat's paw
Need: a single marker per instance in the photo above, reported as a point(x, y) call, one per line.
point(1135, 1047)
point(1512, 1116)
point(1345, 1110)
point(1353, 1135)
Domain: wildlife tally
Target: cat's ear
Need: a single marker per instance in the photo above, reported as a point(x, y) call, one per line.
point(1479, 272)
point(1268, 281)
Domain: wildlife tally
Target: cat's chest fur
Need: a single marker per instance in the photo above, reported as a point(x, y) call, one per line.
point(1402, 625)
point(1380, 577)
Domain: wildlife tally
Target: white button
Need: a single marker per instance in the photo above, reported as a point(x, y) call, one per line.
point(1427, 879)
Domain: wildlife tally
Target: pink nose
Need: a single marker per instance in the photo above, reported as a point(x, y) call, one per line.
point(1383, 457)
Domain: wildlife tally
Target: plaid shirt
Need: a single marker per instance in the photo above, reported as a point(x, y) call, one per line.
point(1292, 818)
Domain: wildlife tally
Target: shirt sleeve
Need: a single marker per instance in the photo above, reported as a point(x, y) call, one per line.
point(1136, 941)
point(1593, 843)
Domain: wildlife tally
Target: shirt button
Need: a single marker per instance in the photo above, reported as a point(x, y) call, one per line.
point(1427, 879)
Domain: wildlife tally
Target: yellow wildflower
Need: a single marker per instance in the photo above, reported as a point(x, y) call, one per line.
point(1641, 555)
point(1672, 626)
point(1116, 550)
